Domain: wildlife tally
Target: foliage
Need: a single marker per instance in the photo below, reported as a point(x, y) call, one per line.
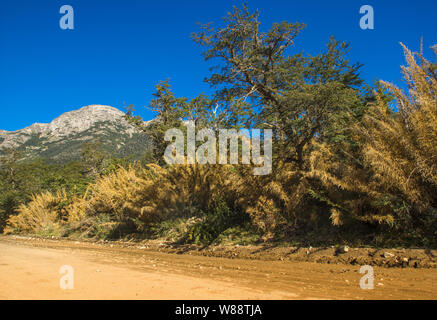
point(299, 96)
point(352, 163)
point(43, 215)
point(391, 176)
point(123, 195)
point(21, 179)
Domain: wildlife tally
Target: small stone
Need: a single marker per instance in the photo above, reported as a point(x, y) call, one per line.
point(342, 249)
point(388, 255)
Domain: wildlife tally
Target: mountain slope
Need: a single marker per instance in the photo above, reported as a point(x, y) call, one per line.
point(62, 139)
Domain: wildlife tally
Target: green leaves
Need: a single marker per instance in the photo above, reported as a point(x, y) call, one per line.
point(302, 97)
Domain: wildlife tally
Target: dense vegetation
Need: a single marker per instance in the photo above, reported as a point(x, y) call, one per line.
point(351, 163)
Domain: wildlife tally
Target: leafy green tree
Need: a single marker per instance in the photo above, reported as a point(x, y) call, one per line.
point(299, 97)
point(168, 111)
point(93, 157)
point(9, 194)
point(9, 164)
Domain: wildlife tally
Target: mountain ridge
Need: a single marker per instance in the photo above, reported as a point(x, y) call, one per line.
point(62, 138)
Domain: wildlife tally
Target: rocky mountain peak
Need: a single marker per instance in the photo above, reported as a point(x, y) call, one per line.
point(74, 128)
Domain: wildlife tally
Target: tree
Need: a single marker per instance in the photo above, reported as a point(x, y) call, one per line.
point(93, 157)
point(300, 97)
point(168, 112)
point(391, 176)
point(8, 164)
point(174, 112)
point(9, 195)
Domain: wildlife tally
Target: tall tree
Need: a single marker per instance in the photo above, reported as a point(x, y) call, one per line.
point(299, 97)
point(93, 157)
point(168, 111)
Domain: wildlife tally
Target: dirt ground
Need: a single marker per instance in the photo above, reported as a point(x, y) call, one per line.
point(30, 269)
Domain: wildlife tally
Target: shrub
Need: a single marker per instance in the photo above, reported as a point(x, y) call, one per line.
point(125, 194)
point(392, 176)
point(219, 219)
point(45, 214)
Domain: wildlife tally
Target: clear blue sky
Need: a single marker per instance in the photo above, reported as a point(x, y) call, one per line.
point(119, 50)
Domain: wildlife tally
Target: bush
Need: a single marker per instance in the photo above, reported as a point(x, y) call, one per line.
point(219, 219)
point(392, 177)
point(125, 194)
point(45, 215)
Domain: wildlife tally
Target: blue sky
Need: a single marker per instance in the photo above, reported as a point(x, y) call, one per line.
point(119, 50)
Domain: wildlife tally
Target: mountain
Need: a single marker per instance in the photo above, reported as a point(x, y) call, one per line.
point(61, 140)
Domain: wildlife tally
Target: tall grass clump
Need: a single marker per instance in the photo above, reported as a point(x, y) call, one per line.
point(390, 176)
point(129, 198)
point(45, 214)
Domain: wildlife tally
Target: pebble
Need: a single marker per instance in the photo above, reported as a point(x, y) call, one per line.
point(342, 249)
point(388, 255)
